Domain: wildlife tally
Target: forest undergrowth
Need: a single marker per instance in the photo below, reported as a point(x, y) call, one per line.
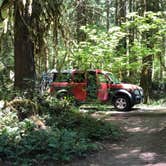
point(35, 131)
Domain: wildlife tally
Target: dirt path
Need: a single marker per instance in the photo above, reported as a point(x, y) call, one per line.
point(145, 144)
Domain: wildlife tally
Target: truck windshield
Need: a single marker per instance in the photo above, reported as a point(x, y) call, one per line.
point(113, 78)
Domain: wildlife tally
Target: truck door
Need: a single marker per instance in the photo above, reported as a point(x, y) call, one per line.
point(103, 87)
point(92, 87)
point(79, 85)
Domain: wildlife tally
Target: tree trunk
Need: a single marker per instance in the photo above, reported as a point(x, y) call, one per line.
point(81, 19)
point(146, 74)
point(108, 13)
point(121, 18)
point(23, 47)
point(131, 40)
point(120, 12)
point(146, 77)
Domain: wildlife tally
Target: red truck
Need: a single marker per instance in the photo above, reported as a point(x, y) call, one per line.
point(95, 85)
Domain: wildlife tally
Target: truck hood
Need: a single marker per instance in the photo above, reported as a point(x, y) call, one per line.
point(128, 87)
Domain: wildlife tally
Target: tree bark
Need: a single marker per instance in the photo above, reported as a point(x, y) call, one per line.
point(147, 61)
point(121, 18)
point(81, 19)
point(146, 77)
point(23, 47)
point(108, 13)
point(131, 39)
point(120, 12)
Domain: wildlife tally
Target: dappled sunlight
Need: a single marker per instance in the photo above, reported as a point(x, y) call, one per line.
point(143, 107)
point(130, 153)
point(143, 143)
point(152, 130)
point(136, 129)
point(157, 164)
point(122, 156)
point(148, 156)
point(115, 147)
point(136, 153)
point(147, 130)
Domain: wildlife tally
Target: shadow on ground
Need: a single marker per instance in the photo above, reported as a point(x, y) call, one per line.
point(143, 145)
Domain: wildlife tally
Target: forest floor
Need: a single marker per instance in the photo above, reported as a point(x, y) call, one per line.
point(144, 143)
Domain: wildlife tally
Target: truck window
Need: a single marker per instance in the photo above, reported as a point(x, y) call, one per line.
point(79, 77)
point(102, 78)
point(112, 78)
point(61, 77)
point(92, 86)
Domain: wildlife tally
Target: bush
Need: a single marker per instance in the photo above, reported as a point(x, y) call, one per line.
point(41, 145)
point(68, 134)
point(21, 143)
point(85, 125)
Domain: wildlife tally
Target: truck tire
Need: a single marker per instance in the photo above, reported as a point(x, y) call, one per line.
point(62, 96)
point(122, 103)
point(66, 96)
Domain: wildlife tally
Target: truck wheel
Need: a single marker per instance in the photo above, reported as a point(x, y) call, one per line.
point(62, 96)
point(66, 96)
point(122, 103)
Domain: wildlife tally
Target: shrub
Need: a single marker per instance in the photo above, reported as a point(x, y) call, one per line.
point(68, 134)
point(89, 127)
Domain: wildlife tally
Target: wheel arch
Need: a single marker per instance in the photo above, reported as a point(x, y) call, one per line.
point(122, 92)
point(62, 91)
point(118, 102)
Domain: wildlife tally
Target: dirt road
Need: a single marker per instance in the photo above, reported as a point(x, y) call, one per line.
point(144, 145)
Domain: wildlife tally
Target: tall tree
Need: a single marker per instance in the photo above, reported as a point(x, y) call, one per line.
point(23, 45)
point(120, 12)
point(131, 37)
point(32, 22)
point(108, 13)
point(81, 19)
point(120, 17)
point(146, 74)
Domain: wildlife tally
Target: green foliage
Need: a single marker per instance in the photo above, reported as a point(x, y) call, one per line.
point(57, 106)
point(89, 127)
point(52, 145)
point(39, 146)
point(68, 134)
point(54, 34)
point(158, 101)
point(112, 49)
point(54, 29)
point(6, 61)
point(149, 31)
point(97, 50)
